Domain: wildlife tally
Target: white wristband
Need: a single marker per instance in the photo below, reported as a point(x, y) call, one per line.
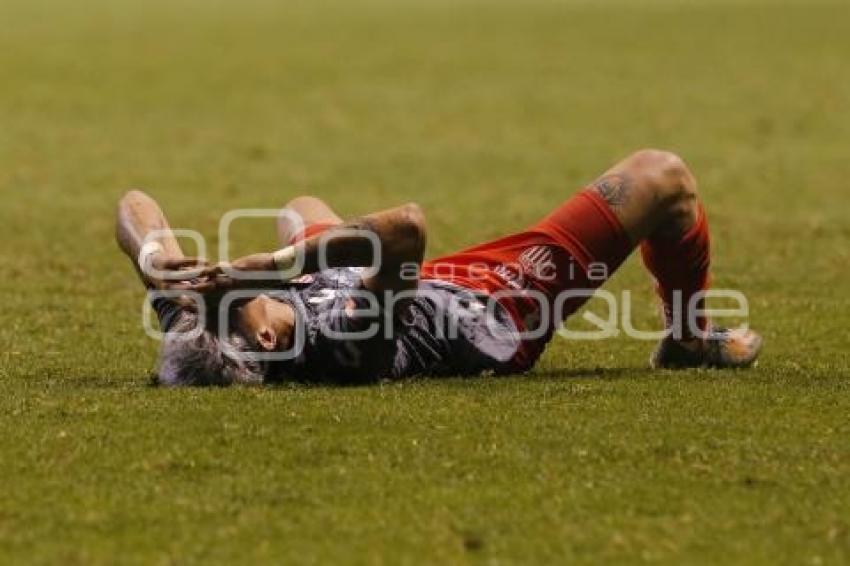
point(147, 252)
point(284, 260)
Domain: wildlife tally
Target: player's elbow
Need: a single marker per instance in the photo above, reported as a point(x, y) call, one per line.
point(410, 231)
point(133, 204)
point(413, 220)
point(132, 199)
point(134, 195)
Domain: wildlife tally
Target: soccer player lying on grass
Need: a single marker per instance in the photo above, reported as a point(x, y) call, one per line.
point(489, 308)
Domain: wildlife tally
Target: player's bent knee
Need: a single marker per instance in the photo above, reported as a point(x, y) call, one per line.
point(664, 173)
point(659, 161)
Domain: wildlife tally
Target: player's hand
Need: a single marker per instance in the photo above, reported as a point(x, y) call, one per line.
point(165, 274)
point(225, 276)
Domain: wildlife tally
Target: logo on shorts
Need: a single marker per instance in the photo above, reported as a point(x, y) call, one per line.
point(537, 262)
point(534, 263)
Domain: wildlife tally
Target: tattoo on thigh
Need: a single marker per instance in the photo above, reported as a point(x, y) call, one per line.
point(614, 189)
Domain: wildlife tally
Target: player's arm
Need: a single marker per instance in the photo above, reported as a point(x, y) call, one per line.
point(400, 233)
point(143, 234)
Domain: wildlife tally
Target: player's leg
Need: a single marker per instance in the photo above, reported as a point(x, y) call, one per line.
point(313, 214)
point(654, 196)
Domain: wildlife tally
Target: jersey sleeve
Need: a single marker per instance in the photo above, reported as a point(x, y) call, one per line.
point(167, 310)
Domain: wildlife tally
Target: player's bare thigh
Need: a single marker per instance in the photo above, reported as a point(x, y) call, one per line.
point(650, 190)
point(310, 210)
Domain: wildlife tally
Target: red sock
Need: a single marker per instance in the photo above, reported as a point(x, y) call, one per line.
point(680, 264)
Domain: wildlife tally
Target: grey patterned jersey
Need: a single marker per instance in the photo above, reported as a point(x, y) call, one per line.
point(346, 336)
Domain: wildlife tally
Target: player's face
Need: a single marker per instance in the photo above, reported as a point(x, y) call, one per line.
point(267, 323)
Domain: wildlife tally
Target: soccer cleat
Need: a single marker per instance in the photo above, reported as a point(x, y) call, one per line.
point(722, 348)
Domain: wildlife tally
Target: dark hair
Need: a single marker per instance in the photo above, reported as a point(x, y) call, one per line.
point(191, 358)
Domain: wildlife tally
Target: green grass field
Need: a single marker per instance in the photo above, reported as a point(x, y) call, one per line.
point(488, 114)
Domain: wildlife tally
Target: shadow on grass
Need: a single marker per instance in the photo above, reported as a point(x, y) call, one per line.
point(102, 381)
point(612, 373)
point(596, 372)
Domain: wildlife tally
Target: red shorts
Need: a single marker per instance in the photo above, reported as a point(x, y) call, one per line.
point(545, 273)
point(540, 275)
